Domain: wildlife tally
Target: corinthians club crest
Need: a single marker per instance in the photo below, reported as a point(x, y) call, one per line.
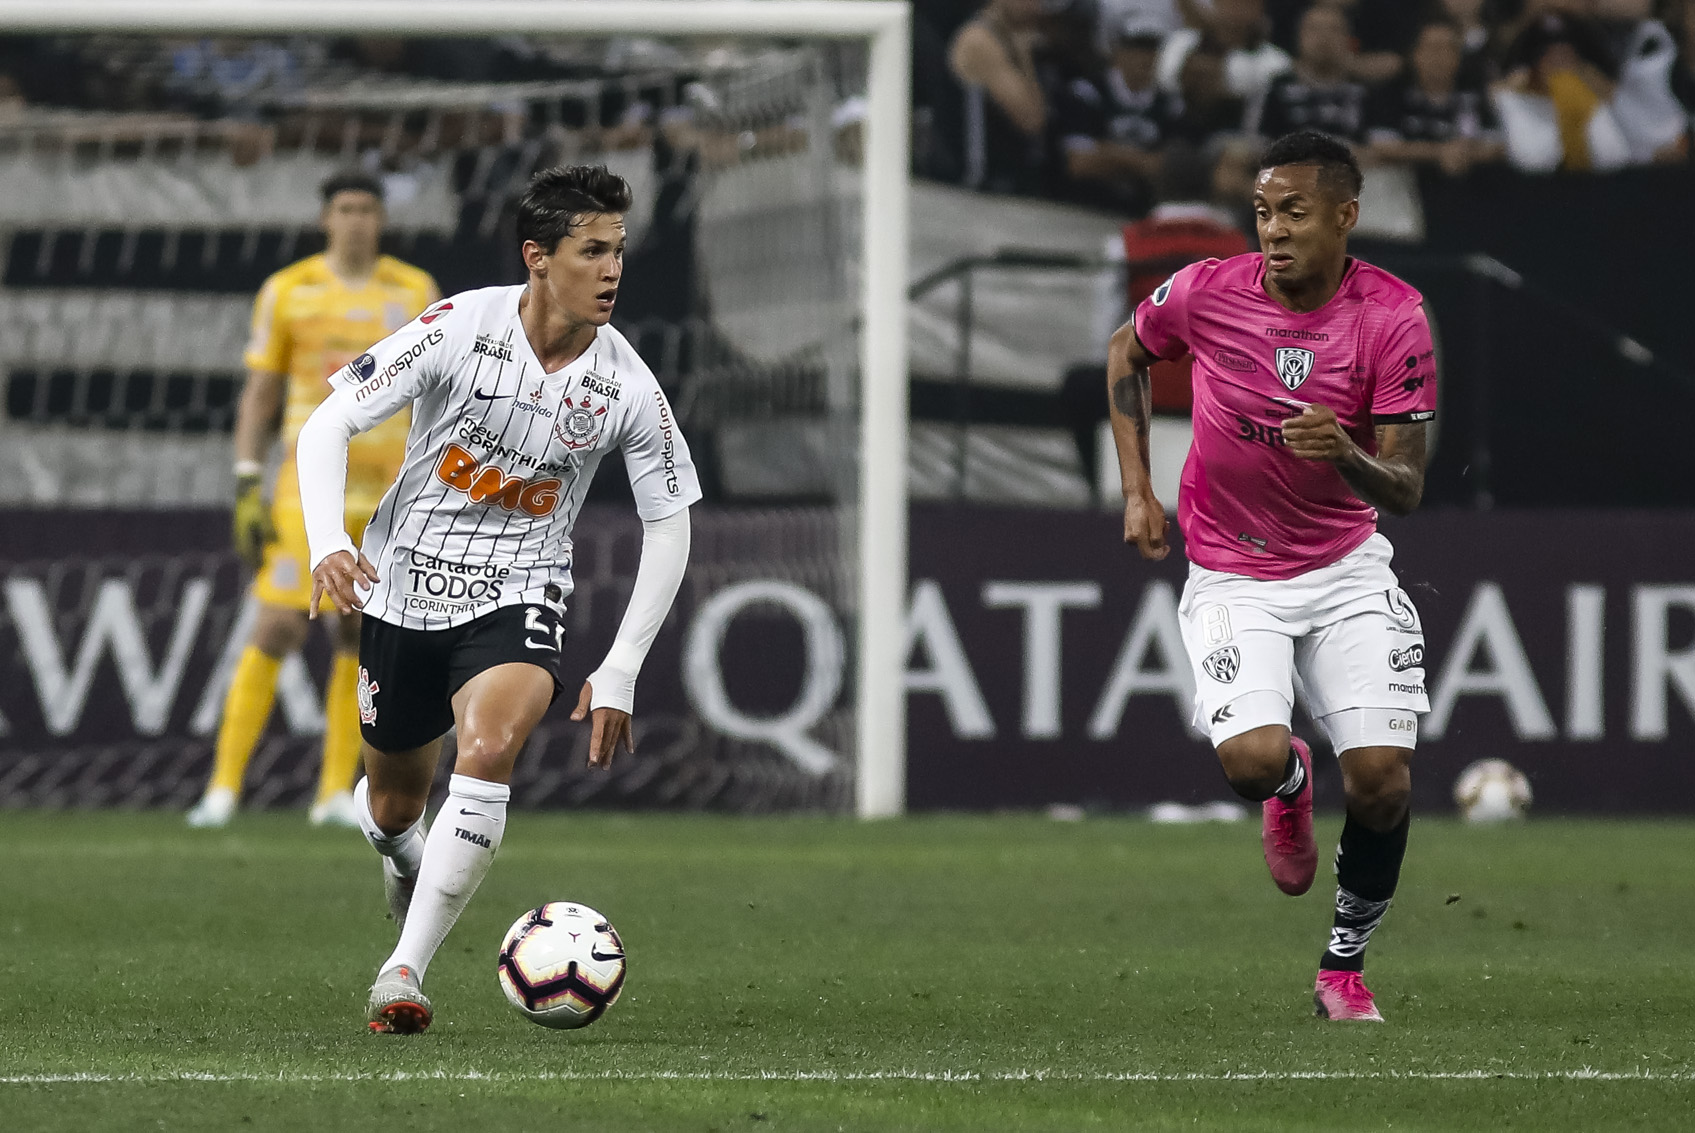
point(1294, 364)
point(580, 423)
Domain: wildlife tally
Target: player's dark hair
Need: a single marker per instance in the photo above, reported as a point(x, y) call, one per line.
point(558, 200)
point(350, 181)
point(1338, 171)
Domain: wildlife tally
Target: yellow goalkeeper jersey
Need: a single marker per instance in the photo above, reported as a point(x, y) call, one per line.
point(308, 324)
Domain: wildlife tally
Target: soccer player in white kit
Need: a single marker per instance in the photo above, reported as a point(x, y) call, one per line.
point(516, 394)
point(1314, 382)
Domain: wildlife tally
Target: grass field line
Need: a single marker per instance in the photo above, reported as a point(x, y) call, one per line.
point(1581, 1074)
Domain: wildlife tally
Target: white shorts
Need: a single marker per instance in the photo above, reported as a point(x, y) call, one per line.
point(1346, 636)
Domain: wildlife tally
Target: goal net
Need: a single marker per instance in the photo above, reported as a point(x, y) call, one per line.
point(156, 167)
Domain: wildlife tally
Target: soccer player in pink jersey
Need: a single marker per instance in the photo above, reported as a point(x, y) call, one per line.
point(1314, 380)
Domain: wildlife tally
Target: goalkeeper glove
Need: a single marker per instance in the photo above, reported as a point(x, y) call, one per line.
point(252, 527)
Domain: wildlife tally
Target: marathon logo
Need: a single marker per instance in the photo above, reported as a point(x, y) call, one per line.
point(385, 377)
point(490, 347)
point(605, 387)
point(1303, 335)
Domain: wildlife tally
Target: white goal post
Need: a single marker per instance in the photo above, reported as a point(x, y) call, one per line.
point(884, 25)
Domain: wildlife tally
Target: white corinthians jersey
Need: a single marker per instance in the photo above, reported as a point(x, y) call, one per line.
point(500, 456)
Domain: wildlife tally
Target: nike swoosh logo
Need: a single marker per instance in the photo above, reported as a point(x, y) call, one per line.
point(597, 954)
point(488, 396)
point(474, 813)
point(534, 645)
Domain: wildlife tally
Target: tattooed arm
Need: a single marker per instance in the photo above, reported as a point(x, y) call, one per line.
point(1130, 402)
point(1392, 480)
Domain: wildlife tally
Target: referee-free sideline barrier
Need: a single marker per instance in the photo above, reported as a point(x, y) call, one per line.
point(1045, 663)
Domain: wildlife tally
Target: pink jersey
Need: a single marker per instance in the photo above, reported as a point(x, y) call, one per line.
point(1246, 505)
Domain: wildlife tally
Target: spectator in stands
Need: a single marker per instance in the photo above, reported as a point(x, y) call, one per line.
point(1208, 110)
point(1320, 93)
point(1681, 15)
point(1382, 32)
point(1006, 110)
point(1161, 16)
point(1112, 128)
point(1241, 30)
point(1654, 124)
point(1554, 102)
point(1475, 19)
point(1433, 117)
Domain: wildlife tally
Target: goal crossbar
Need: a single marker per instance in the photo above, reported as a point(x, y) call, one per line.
point(880, 716)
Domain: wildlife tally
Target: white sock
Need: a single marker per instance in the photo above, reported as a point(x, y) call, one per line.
point(405, 850)
point(457, 854)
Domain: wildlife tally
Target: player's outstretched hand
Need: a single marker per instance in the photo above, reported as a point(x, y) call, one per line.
point(341, 577)
point(1317, 435)
point(610, 726)
point(1144, 525)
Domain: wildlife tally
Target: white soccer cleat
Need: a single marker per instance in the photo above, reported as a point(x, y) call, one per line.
point(337, 810)
point(214, 810)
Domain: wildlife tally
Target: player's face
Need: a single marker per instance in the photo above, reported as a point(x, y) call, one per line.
point(353, 220)
point(582, 274)
point(1303, 228)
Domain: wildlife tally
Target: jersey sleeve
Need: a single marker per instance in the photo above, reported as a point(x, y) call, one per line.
point(396, 371)
point(1404, 377)
point(662, 473)
point(267, 343)
point(1162, 319)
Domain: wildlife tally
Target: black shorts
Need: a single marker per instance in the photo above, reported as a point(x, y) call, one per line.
point(407, 677)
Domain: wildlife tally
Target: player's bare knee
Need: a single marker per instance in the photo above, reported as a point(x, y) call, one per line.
point(396, 812)
point(488, 755)
point(1377, 783)
point(1256, 762)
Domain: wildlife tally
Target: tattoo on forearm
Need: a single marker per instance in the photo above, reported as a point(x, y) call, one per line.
point(1132, 395)
point(1394, 482)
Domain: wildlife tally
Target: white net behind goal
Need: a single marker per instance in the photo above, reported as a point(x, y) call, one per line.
point(139, 214)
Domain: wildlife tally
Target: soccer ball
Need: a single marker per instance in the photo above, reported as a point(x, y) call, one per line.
point(1492, 790)
point(562, 965)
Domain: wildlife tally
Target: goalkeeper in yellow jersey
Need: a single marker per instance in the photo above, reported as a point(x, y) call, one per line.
point(310, 319)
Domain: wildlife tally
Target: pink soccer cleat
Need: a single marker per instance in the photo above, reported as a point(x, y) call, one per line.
point(1343, 995)
point(1291, 853)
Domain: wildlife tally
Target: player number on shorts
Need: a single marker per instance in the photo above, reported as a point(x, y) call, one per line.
point(534, 624)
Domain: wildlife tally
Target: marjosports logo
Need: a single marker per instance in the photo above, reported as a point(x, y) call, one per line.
point(668, 449)
point(489, 484)
point(1222, 665)
point(1400, 660)
point(399, 366)
point(1294, 364)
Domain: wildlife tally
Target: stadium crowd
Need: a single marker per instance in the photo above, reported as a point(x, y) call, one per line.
point(1092, 100)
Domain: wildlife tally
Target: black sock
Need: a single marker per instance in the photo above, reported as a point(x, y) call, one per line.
point(1294, 778)
point(1368, 867)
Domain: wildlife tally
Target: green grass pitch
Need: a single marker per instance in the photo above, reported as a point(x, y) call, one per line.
point(951, 973)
